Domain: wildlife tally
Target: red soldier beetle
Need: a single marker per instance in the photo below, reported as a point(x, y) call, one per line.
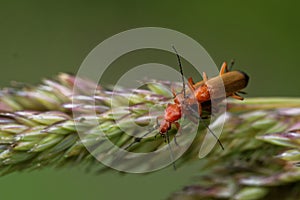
point(233, 82)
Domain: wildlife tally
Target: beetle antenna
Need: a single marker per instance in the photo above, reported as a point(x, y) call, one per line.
point(138, 139)
point(220, 143)
point(206, 126)
point(181, 70)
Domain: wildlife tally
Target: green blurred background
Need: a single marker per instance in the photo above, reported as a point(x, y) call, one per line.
point(41, 39)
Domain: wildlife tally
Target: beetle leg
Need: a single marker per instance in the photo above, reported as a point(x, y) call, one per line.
point(191, 81)
point(165, 136)
point(236, 96)
point(205, 77)
point(158, 118)
point(224, 68)
point(191, 84)
point(173, 92)
point(177, 126)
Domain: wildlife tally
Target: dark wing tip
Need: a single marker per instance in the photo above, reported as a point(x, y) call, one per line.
point(246, 76)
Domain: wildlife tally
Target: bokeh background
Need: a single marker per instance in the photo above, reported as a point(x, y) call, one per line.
point(41, 39)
